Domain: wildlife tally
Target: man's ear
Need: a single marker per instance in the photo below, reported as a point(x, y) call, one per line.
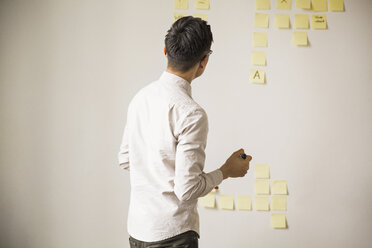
point(204, 62)
point(165, 51)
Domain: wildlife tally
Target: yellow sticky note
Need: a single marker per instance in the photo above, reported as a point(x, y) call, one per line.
point(261, 20)
point(301, 21)
point(279, 203)
point(262, 4)
point(202, 4)
point(257, 76)
point(259, 39)
point(299, 38)
point(262, 171)
point(227, 202)
point(319, 5)
point(244, 202)
point(178, 16)
point(278, 221)
point(279, 187)
point(284, 4)
point(262, 187)
point(336, 5)
point(281, 21)
point(258, 58)
point(208, 201)
point(303, 4)
point(202, 16)
point(261, 203)
point(319, 22)
point(181, 4)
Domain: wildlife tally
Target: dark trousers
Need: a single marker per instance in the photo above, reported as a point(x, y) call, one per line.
point(187, 239)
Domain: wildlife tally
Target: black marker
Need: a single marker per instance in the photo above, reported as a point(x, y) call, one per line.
point(243, 156)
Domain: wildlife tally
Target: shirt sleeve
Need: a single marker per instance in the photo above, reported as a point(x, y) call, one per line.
point(190, 182)
point(123, 155)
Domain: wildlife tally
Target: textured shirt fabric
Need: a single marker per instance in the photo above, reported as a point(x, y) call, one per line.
point(163, 148)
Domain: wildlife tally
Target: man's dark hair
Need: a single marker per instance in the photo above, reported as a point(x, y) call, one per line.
point(187, 42)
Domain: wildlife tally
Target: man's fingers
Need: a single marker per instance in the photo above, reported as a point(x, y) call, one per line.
point(249, 158)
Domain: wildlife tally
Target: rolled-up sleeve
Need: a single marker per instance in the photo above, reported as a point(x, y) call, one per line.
point(123, 155)
point(190, 182)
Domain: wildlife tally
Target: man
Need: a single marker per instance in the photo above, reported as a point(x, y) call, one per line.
point(164, 142)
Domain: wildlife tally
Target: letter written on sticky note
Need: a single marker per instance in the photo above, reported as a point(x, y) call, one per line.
point(257, 76)
point(301, 21)
point(258, 58)
point(279, 187)
point(208, 201)
point(284, 4)
point(244, 202)
point(181, 4)
point(261, 20)
point(202, 4)
point(319, 22)
point(278, 220)
point(261, 203)
point(226, 202)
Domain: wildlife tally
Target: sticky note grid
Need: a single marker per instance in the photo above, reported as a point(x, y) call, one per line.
point(270, 195)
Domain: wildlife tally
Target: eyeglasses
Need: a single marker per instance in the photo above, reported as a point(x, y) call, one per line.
point(210, 52)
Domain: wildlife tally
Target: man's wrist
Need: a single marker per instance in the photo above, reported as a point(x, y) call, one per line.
point(224, 172)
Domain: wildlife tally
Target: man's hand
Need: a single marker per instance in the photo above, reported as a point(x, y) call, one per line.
point(235, 166)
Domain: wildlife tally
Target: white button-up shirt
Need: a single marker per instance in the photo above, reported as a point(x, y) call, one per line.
point(163, 148)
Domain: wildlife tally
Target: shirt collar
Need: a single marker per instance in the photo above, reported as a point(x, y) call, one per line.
point(176, 81)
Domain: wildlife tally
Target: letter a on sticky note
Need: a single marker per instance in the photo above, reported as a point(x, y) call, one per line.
point(181, 4)
point(336, 5)
point(303, 4)
point(262, 171)
point(319, 5)
point(259, 39)
point(244, 202)
point(299, 38)
point(278, 221)
point(262, 187)
point(278, 203)
point(319, 22)
point(202, 4)
point(261, 20)
point(261, 203)
point(262, 4)
point(258, 58)
point(279, 187)
point(227, 202)
point(281, 21)
point(257, 76)
point(284, 4)
point(208, 201)
point(301, 21)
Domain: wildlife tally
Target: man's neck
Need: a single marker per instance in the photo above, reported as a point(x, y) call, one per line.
point(188, 76)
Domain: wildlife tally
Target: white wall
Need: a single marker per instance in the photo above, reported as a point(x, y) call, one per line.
point(68, 70)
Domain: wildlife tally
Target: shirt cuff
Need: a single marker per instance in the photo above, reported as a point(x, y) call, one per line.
point(216, 177)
